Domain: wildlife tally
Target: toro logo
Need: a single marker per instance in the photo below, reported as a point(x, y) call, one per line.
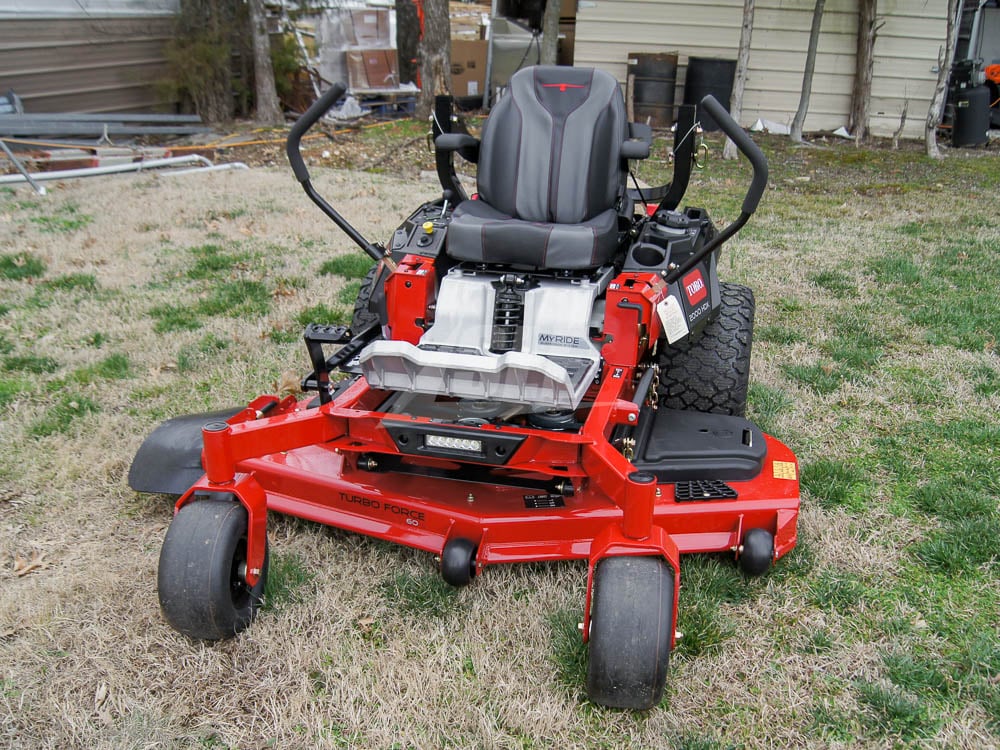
point(694, 287)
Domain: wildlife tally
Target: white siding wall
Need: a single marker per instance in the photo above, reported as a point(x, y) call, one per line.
point(905, 52)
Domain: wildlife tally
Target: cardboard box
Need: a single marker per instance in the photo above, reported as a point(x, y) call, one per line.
point(468, 67)
point(369, 27)
point(372, 69)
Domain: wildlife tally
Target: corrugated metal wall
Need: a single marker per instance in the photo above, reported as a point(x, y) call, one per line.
point(905, 52)
point(89, 64)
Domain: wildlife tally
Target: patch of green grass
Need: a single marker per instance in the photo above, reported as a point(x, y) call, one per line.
point(348, 295)
point(790, 305)
point(819, 641)
point(896, 269)
point(237, 299)
point(11, 389)
point(230, 214)
point(112, 367)
point(779, 335)
point(822, 377)
point(322, 314)
point(709, 581)
point(30, 363)
point(832, 723)
point(837, 591)
point(349, 266)
point(96, 339)
point(284, 335)
point(952, 295)
point(174, 318)
point(60, 416)
point(19, 266)
point(836, 484)
point(72, 281)
point(951, 502)
point(889, 711)
point(421, 594)
point(4, 309)
point(190, 357)
point(918, 675)
point(68, 219)
point(986, 380)
point(961, 545)
point(6, 347)
point(765, 405)
point(837, 283)
point(569, 652)
point(212, 260)
point(857, 344)
point(287, 577)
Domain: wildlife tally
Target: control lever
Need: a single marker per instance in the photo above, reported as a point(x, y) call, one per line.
point(447, 195)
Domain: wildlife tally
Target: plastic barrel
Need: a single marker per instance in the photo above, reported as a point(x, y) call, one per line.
point(972, 117)
point(709, 75)
point(654, 78)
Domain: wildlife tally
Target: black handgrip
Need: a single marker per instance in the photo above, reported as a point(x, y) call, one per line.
point(310, 118)
point(744, 143)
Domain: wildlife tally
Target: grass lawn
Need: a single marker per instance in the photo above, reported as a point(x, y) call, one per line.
point(127, 300)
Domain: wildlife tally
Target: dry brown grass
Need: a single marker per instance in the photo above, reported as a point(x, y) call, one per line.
point(87, 661)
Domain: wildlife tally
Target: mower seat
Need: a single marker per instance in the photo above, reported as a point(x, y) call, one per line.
point(550, 174)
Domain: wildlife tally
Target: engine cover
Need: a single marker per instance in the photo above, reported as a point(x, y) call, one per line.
point(465, 355)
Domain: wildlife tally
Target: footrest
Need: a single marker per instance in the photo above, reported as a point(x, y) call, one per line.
point(690, 446)
point(513, 377)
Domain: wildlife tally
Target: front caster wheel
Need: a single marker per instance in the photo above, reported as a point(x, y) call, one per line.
point(202, 573)
point(458, 562)
point(631, 627)
point(757, 552)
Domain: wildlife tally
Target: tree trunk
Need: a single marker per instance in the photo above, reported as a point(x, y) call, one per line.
point(945, 58)
point(435, 56)
point(861, 95)
point(742, 64)
point(550, 33)
point(407, 39)
point(807, 74)
point(266, 97)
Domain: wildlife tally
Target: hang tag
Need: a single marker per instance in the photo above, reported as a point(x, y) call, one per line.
point(672, 317)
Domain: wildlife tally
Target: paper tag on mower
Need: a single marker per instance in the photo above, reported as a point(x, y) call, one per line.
point(672, 318)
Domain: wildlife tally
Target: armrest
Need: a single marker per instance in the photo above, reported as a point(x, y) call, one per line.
point(639, 141)
point(466, 145)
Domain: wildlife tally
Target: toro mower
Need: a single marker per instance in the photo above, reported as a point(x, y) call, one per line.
point(548, 370)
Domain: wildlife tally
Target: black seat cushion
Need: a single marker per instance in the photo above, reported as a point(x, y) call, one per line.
point(550, 173)
point(481, 233)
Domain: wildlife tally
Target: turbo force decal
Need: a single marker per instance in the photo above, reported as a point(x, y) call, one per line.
point(412, 517)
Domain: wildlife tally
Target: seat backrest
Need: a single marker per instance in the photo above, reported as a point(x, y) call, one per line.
point(551, 146)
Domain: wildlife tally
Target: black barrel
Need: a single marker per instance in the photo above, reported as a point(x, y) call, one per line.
point(709, 75)
point(972, 117)
point(654, 78)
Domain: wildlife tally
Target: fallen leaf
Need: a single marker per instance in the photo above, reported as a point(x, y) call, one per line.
point(24, 566)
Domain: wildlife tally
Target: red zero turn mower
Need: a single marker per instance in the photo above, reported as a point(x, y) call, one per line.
point(546, 371)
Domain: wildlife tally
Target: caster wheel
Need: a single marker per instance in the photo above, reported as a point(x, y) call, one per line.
point(631, 627)
point(201, 578)
point(458, 562)
point(757, 552)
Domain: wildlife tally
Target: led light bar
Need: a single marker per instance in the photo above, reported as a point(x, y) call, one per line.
point(453, 443)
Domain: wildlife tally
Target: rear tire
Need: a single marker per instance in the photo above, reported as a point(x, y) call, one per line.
point(631, 628)
point(363, 316)
point(711, 373)
point(201, 578)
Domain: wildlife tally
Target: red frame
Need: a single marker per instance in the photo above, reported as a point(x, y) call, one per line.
point(303, 462)
point(307, 462)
